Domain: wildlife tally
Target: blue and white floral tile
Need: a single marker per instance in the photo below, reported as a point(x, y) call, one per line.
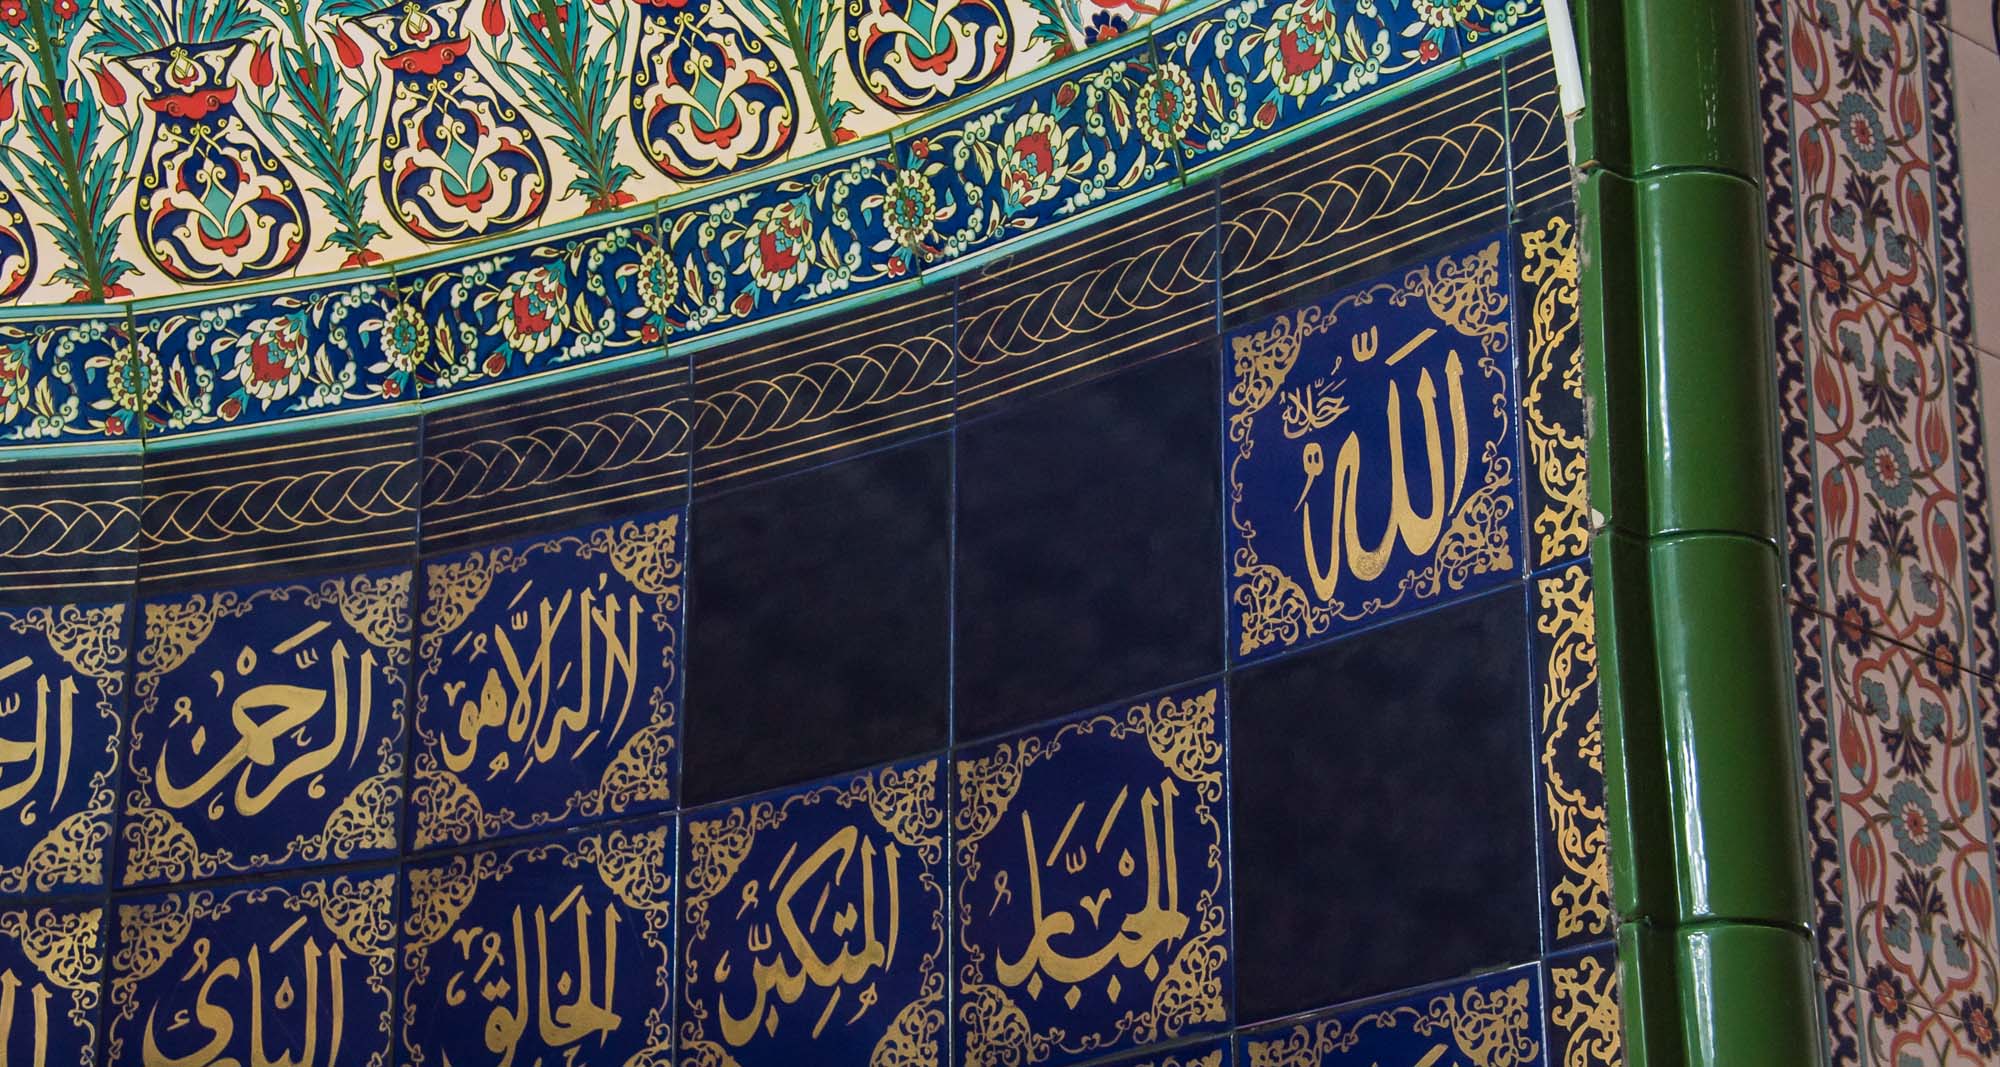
point(1092, 884)
point(813, 925)
point(51, 973)
point(70, 379)
point(1496, 1018)
point(267, 728)
point(1407, 380)
point(548, 682)
point(291, 971)
point(555, 952)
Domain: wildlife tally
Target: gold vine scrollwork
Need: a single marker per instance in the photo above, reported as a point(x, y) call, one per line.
point(1572, 741)
point(1485, 1028)
point(1584, 1010)
point(1555, 365)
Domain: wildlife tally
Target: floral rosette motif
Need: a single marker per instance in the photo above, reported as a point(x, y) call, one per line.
point(778, 246)
point(405, 338)
point(271, 359)
point(1166, 106)
point(529, 310)
point(1036, 153)
point(132, 375)
point(659, 281)
point(910, 207)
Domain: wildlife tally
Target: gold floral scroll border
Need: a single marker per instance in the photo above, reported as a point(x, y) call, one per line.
point(1488, 1029)
point(1584, 1018)
point(358, 910)
point(1466, 294)
point(635, 864)
point(1182, 734)
point(92, 641)
point(904, 803)
point(159, 846)
point(66, 947)
point(1549, 264)
point(1572, 744)
point(446, 810)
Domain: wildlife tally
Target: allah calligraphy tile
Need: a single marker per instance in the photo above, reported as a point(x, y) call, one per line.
point(1586, 1028)
point(267, 728)
point(295, 971)
point(1493, 1019)
point(1414, 364)
point(1552, 429)
point(547, 683)
point(51, 959)
point(813, 926)
point(558, 952)
point(62, 694)
point(1092, 885)
point(1576, 864)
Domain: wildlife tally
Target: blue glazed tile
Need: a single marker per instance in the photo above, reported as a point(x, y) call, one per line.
point(1576, 840)
point(1092, 885)
point(1586, 1027)
point(52, 958)
point(379, 328)
point(62, 685)
point(1215, 1053)
point(69, 522)
point(557, 952)
point(1371, 462)
point(267, 728)
point(1494, 1019)
point(813, 925)
point(71, 378)
point(1549, 342)
point(1537, 131)
point(548, 681)
point(296, 970)
point(1488, 24)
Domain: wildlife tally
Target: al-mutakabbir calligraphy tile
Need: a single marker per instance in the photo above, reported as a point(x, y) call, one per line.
point(1371, 467)
point(62, 696)
point(297, 971)
point(813, 926)
point(267, 727)
point(1492, 1019)
point(1092, 884)
point(559, 952)
point(549, 671)
point(51, 968)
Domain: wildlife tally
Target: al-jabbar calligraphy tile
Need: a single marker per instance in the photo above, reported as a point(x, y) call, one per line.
point(267, 727)
point(51, 965)
point(298, 971)
point(559, 952)
point(1553, 450)
point(62, 695)
point(1586, 1028)
point(1493, 1019)
point(548, 682)
point(813, 926)
point(1370, 462)
point(1092, 884)
point(1576, 839)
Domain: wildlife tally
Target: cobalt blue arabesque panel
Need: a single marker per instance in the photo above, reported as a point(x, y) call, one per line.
point(1495, 1019)
point(51, 969)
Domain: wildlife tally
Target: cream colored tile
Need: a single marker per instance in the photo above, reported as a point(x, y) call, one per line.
point(1976, 20)
point(1977, 72)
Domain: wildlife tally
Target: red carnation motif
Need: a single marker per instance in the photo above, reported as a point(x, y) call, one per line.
point(109, 87)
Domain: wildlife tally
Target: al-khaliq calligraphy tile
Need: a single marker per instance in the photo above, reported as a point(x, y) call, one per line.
point(556, 952)
point(1092, 885)
point(1496, 1018)
point(51, 967)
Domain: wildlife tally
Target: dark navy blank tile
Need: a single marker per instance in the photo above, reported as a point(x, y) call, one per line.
point(1384, 818)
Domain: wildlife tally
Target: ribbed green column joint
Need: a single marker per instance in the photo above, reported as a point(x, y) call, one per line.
point(1708, 869)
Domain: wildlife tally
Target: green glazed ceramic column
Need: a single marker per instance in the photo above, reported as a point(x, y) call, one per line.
point(1708, 865)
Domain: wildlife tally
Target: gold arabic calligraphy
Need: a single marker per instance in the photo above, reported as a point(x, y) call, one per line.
point(244, 977)
point(587, 1010)
point(54, 725)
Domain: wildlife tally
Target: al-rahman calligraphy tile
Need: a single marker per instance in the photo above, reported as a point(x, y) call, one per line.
point(1092, 884)
point(1569, 740)
point(1406, 745)
point(51, 972)
point(813, 925)
point(1585, 1024)
point(556, 952)
point(1422, 504)
point(69, 523)
point(819, 623)
point(62, 698)
point(806, 396)
point(289, 971)
point(1549, 340)
point(1089, 532)
point(1536, 131)
point(1426, 172)
point(304, 685)
point(1496, 1018)
point(548, 681)
point(71, 378)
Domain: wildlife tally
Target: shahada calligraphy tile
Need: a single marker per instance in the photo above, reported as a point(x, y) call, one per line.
point(51, 960)
point(813, 926)
point(296, 971)
point(1407, 380)
point(1092, 884)
point(62, 694)
point(1586, 1028)
point(267, 727)
point(548, 678)
point(1553, 438)
point(1493, 1019)
point(1576, 840)
point(554, 953)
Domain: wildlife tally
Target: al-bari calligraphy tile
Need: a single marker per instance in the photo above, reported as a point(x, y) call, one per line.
point(1549, 343)
point(813, 925)
point(1405, 748)
point(1585, 1025)
point(556, 952)
point(548, 682)
point(819, 623)
point(267, 727)
point(1092, 887)
point(1569, 742)
point(295, 970)
point(51, 971)
point(1089, 532)
point(1493, 1019)
point(1371, 468)
point(62, 698)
